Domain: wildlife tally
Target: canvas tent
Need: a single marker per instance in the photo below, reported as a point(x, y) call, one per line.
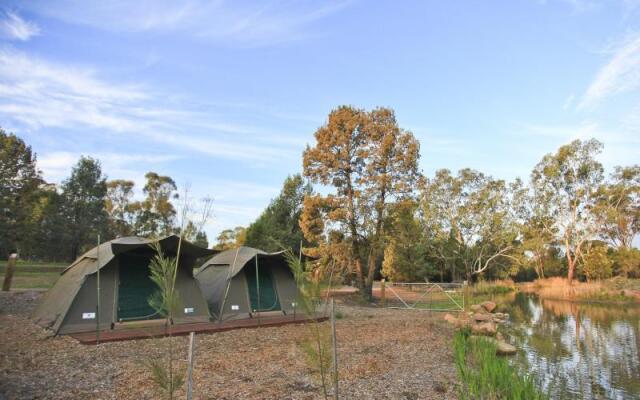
point(70, 305)
point(239, 283)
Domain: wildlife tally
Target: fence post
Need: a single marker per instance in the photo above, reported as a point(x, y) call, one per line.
point(335, 348)
point(192, 343)
point(8, 274)
point(383, 298)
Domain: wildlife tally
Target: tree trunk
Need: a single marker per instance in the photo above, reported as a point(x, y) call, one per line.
point(571, 262)
point(8, 274)
point(572, 268)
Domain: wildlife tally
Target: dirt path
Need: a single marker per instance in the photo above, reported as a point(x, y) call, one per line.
point(384, 354)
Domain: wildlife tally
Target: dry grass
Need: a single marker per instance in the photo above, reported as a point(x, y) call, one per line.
point(560, 289)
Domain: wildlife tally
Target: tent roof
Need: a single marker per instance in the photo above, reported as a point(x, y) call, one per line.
point(107, 250)
point(237, 258)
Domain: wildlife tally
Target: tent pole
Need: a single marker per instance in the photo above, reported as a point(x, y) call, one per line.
point(226, 292)
point(98, 294)
point(258, 290)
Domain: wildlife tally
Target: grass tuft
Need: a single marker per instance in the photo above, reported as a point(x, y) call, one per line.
point(484, 375)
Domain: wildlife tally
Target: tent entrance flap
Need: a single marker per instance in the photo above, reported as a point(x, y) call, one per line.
point(135, 287)
point(262, 291)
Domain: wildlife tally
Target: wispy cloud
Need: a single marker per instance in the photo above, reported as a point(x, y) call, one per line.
point(621, 147)
point(38, 93)
point(13, 27)
point(620, 74)
point(244, 23)
point(57, 165)
point(583, 130)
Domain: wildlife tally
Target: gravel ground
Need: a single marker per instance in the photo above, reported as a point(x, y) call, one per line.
point(383, 354)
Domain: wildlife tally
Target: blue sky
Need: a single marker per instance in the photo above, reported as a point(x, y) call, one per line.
point(224, 95)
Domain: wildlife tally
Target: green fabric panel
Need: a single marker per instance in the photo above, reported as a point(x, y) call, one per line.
point(268, 299)
point(135, 288)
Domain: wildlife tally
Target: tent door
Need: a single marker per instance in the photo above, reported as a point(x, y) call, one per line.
point(134, 289)
point(268, 300)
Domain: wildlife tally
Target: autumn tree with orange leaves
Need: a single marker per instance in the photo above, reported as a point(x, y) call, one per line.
point(370, 164)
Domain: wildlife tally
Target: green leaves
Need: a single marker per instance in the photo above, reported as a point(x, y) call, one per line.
point(163, 272)
point(278, 225)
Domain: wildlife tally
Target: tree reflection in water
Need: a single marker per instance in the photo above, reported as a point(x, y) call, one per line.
point(577, 350)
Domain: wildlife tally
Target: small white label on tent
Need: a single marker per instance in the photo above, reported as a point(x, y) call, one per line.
point(235, 307)
point(188, 310)
point(88, 315)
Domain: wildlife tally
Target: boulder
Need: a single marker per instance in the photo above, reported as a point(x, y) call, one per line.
point(498, 320)
point(450, 318)
point(484, 328)
point(504, 349)
point(460, 322)
point(477, 308)
point(482, 317)
point(489, 306)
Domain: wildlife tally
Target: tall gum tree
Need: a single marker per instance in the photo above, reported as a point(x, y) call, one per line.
point(469, 219)
point(618, 207)
point(370, 163)
point(566, 184)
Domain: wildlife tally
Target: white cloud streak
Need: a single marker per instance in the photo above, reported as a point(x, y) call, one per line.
point(40, 94)
point(57, 165)
point(243, 23)
point(621, 74)
point(13, 27)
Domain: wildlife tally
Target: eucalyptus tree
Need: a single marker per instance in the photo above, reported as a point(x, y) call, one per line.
point(565, 184)
point(119, 206)
point(537, 229)
point(231, 238)
point(618, 207)
point(405, 254)
point(155, 215)
point(369, 163)
point(472, 218)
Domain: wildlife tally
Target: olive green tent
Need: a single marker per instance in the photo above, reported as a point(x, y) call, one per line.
point(239, 283)
point(125, 286)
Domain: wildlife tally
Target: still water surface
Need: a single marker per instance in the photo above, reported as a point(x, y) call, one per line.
point(577, 351)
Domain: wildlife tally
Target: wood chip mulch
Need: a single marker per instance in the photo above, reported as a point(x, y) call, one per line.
point(383, 354)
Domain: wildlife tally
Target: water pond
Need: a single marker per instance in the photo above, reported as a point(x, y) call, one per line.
point(577, 350)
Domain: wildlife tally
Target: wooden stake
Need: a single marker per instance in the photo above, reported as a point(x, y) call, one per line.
point(383, 298)
point(98, 293)
point(335, 348)
point(192, 344)
point(8, 274)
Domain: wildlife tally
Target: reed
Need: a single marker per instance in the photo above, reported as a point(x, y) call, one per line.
point(486, 376)
point(560, 289)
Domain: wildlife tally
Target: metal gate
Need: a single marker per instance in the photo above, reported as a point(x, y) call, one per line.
point(422, 296)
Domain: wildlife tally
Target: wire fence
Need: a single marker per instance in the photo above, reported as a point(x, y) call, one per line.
point(421, 296)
